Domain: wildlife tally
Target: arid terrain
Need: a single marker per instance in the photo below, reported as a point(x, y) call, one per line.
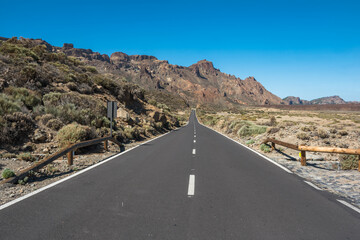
point(336, 173)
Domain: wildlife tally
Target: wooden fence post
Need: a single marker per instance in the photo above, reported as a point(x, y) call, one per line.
point(106, 146)
point(303, 158)
point(70, 157)
point(273, 146)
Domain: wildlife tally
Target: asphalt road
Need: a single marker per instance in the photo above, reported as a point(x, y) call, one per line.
point(182, 186)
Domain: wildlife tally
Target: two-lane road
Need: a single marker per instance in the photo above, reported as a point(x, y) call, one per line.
point(192, 183)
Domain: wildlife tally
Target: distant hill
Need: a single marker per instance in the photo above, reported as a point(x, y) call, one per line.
point(324, 100)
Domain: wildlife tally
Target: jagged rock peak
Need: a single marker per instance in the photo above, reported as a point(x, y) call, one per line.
point(119, 57)
point(142, 57)
point(251, 79)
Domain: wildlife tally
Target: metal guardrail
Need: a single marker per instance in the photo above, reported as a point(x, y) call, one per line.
point(303, 149)
point(69, 151)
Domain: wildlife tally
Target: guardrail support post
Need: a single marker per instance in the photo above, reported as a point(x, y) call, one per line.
point(106, 146)
point(273, 146)
point(303, 158)
point(70, 157)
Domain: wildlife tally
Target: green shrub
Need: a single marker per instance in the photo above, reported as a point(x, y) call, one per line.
point(308, 128)
point(265, 148)
point(152, 102)
point(7, 173)
point(91, 69)
point(27, 157)
point(322, 133)
point(54, 124)
point(29, 99)
point(343, 133)
point(249, 142)
point(251, 130)
point(8, 155)
point(73, 133)
point(8, 105)
point(348, 162)
point(303, 136)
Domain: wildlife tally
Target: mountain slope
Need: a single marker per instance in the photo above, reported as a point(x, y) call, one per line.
point(199, 83)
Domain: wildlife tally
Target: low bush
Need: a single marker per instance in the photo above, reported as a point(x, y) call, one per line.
point(303, 136)
point(308, 128)
point(27, 157)
point(73, 133)
point(322, 133)
point(8, 105)
point(249, 142)
point(7, 173)
point(54, 124)
point(343, 133)
point(265, 148)
point(8, 155)
point(15, 128)
point(349, 162)
point(251, 130)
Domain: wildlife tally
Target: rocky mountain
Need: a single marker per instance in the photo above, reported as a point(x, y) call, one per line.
point(324, 100)
point(200, 83)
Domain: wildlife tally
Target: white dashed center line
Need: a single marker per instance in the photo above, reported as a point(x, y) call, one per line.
point(194, 141)
point(194, 151)
point(191, 189)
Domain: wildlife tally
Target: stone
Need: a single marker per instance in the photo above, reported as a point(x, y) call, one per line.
point(40, 136)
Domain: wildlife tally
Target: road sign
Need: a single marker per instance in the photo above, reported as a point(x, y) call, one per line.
point(111, 113)
point(111, 110)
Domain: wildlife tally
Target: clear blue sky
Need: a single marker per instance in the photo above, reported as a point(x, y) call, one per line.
point(302, 48)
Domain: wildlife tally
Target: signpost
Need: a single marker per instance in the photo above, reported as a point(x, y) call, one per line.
point(111, 113)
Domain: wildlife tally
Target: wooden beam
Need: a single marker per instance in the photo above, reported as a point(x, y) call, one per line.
point(330, 150)
point(289, 145)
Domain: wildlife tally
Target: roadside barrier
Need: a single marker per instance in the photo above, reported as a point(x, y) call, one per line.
point(303, 149)
point(69, 151)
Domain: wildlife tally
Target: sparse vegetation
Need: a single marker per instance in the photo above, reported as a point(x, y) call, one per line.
point(7, 173)
point(73, 133)
point(349, 162)
point(27, 157)
point(265, 148)
point(303, 136)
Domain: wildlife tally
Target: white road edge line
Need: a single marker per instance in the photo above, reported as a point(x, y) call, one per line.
point(313, 185)
point(194, 151)
point(191, 188)
point(349, 205)
point(266, 158)
point(74, 175)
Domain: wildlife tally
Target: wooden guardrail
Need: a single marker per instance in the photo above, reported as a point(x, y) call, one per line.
point(303, 149)
point(69, 151)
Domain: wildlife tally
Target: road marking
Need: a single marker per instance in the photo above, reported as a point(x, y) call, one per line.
point(266, 158)
point(194, 136)
point(313, 185)
point(194, 151)
point(194, 141)
point(191, 188)
point(75, 174)
point(349, 205)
